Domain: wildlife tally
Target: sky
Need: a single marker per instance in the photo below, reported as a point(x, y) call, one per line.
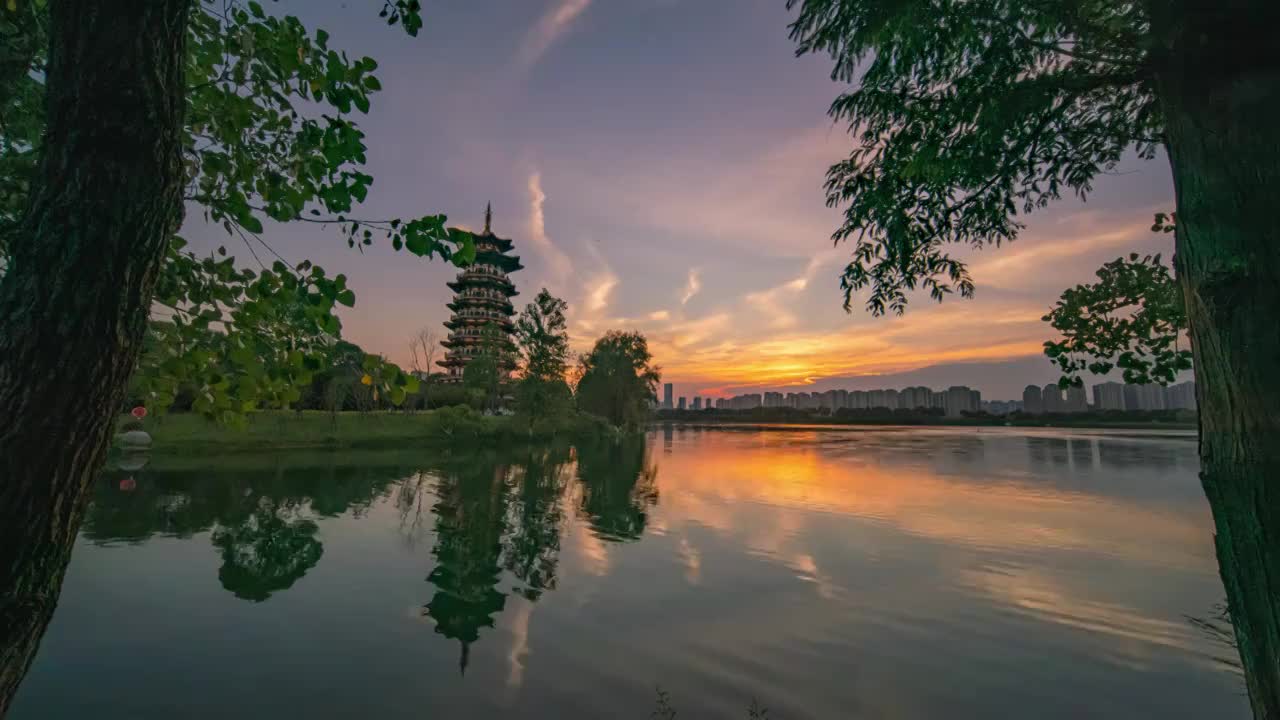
point(659, 165)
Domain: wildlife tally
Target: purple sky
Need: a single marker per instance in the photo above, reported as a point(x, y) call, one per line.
point(659, 164)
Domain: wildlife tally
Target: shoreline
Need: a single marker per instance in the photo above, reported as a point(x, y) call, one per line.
point(817, 423)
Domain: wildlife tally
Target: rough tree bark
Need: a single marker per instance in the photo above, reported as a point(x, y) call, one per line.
point(75, 299)
point(1219, 86)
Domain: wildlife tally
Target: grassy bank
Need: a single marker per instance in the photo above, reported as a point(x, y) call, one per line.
point(376, 430)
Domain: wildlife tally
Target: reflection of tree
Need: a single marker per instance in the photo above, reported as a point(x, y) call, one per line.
point(1216, 626)
point(533, 545)
point(617, 488)
point(255, 513)
point(266, 553)
point(470, 522)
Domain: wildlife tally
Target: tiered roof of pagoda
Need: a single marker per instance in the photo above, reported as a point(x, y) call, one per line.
point(482, 301)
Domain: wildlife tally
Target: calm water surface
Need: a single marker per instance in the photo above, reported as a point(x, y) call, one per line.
point(827, 573)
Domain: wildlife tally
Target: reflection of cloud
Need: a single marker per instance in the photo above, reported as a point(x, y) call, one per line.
point(807, 569)
point(550, 27)
point(1035, 593)
point(519, 644)
point(691, 558)
point(784, 473)
point(594, 553)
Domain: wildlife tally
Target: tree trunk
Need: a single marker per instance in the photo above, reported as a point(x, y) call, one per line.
point(1219, 87)
point(75, 299)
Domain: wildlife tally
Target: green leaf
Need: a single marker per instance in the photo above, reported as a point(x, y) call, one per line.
point(347, 297)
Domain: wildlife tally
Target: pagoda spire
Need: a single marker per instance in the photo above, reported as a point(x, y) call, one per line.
point(488, 218)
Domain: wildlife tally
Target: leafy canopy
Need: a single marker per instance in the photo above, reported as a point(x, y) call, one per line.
point(490, 363)
point(270, 136)
point(967, 113)
point(1132, 318)
point(543, 336)
point(617, 380)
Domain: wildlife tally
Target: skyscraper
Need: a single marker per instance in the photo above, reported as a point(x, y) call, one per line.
point(1108, 396)
point(1076, 400)
point(667, 390)
point(1032, 400)
point(1143, 397)
point(1051, 396)
point(960, 399)
point(1181, 396)
point(697, 403)
point(681, 405)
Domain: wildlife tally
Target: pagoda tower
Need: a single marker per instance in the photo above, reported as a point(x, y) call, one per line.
point(481, 304)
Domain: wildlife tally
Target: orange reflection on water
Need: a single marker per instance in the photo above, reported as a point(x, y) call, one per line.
point(752, 484)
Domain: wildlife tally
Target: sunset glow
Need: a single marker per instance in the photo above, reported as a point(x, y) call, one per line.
point(681, 196)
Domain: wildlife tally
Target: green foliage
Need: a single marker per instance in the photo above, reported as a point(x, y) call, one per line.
point(617, 381)
point(460, 422)
point(269, 136)
point(967, 113)
point(538, 399)
point(1132, 318)
point(543, 336)
point(486, 372)
point(266, 553)
point(238, 340)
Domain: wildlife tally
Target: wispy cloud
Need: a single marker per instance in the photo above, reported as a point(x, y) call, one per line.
point(553, 24)
point(691, 287)
point(558, 263)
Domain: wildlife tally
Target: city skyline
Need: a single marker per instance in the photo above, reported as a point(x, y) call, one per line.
point(958, 399)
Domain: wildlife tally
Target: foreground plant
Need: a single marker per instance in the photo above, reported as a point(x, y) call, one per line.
point(112, 115)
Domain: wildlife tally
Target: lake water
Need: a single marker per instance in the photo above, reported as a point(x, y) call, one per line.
point(865, 573)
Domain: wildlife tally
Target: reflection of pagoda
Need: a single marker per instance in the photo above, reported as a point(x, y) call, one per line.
point(481, 304)
point(470, 524)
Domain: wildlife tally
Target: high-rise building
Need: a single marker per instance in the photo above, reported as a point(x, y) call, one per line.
point(481, 321)
point(1076, 401)
point(1051, 395)
point(1001, 407)
point(914, 397)
point(960, 399)
point(697, 403)
point(1143, 397)
point(667, 391)
point(858, 400)
point(773, 400)
point(1181, 396)
point(1108, 396)
point(1032, 400)
point(681, 405)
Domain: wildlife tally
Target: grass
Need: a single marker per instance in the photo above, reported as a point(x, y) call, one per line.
point(283, 430)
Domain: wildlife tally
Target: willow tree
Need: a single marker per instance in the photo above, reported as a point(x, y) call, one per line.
point(112, 115)
point(969, 114)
